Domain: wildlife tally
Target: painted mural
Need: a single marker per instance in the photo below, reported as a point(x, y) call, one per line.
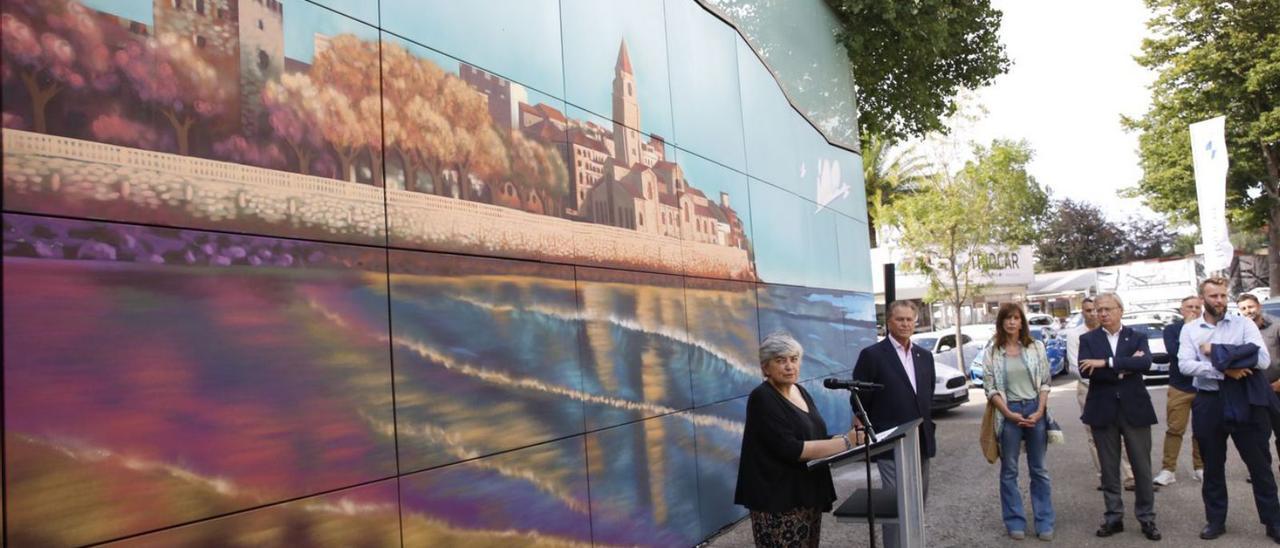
point(338, 273)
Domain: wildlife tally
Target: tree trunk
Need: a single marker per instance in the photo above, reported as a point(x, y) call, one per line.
point(303, 158)
point(959, 340)
point(346, 157)
point(377, 167)
point(181, 130)
point(1271, 156)
point(40, 98)
point(410, 171)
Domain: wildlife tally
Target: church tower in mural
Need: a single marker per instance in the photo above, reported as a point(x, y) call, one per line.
point(626, 111)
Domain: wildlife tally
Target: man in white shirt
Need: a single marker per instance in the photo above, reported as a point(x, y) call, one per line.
point(1251, 435)
point(1090, 315)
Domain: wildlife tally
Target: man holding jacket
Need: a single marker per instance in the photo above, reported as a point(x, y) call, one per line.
point(1223, 353)
point(1113, 358)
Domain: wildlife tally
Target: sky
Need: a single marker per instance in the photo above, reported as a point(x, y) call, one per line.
point(1073, 75)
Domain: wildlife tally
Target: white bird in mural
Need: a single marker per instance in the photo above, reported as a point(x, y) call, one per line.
point(830, 187)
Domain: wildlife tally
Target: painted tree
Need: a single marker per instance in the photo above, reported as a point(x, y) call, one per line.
point(538, 168)
point(412, 125)
point(52, 46)
point(479, 151)
point(347, 68)
point(168, 74)
point(339, 124)
point(291, 104)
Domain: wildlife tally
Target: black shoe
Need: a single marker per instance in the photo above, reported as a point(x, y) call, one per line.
point(1212, 531)
point(1108, 529)
point(1149, 530)
point(1274, 533)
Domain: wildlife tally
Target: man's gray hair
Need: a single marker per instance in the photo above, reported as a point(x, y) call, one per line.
point(1112, 296)
point(779, 343)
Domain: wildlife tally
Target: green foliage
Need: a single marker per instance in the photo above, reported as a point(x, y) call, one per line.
point(888, 171)
point(1077, 235)
point(1213, 58)
point(911, 59)
point(991, 204)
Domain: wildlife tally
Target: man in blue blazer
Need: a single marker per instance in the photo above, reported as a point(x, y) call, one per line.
point(907, 373)
point(1114, 358)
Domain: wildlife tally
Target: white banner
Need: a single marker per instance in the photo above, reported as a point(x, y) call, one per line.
point(1209, 153)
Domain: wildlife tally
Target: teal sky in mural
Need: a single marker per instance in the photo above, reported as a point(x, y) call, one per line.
point(133, 10)
point(518, 40)
point(593, 32)
point(705, 102)
point(452, 66)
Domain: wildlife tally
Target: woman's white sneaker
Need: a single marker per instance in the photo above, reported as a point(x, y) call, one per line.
point(1165, 477)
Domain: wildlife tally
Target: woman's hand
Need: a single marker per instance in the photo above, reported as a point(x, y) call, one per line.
point(1032, 419)
point(1015, 417)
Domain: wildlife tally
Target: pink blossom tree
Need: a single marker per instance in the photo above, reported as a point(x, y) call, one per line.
point(291, 105)
point(51, 46)
point(118, 130)
point(169, 74)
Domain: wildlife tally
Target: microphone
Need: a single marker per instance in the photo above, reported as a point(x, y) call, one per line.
point(837, 384)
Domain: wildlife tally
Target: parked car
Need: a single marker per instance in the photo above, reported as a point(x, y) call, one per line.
point(1271, 307)
point(1155, 341)
point(1160, 315)
point(950, 389)
point(1055, 348)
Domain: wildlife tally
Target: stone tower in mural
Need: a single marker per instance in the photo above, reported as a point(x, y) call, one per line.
point(261, 57)
point(626, 111)
point(244, 38)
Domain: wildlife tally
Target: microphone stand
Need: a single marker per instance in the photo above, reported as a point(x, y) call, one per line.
point(870, 433)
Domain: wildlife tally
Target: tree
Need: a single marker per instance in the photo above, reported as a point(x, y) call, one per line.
point(911, 59)
point(537, 168)
point(52, 46)
point(170, 74)
point(1213, 59)
point(347, 69)
point(479, 150)
point(291, 104)
point(956, 221)
point(888, 171)
point(1077, 235)
point(414, 128)
point(1145, 239)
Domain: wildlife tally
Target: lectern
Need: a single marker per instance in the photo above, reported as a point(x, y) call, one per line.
point(902, 507)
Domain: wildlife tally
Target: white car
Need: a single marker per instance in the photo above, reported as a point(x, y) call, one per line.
point(949, 389)
point(1154, 330)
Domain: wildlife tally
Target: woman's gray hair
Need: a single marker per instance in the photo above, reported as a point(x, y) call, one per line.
point(779, 343)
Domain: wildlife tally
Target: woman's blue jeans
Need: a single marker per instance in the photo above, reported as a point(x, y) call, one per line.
point(1011, 438)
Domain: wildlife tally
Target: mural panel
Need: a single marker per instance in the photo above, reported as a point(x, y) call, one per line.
point(156, 376)
point(362, 516)
point(486, 355)
point(718, 450)
point(644, 485)
point(816, 318)
point(723, 329)
point(705, 101)
point(235, 116)
point(795, 242)
point(783, 149)
point(616, 66)
point(518, 40)
point(714, 211)
point(636, 349)
point(225, 221)
point(536, 496)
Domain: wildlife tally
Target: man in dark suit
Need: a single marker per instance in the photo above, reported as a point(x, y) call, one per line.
point(907, 373)
point(1113, 358)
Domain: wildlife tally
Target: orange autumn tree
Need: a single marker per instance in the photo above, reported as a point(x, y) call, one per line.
point(348, 112)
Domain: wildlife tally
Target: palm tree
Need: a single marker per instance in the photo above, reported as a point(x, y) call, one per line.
point(888, 170)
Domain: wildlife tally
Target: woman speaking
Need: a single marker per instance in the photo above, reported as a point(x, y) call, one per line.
point(783, 431)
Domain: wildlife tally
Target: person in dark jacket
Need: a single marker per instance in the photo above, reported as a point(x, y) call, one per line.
point(1114, 359)
point(1178, 403)
point(907, 373)
point(1247, 421)
point(783, 431)
point(1269, 328)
